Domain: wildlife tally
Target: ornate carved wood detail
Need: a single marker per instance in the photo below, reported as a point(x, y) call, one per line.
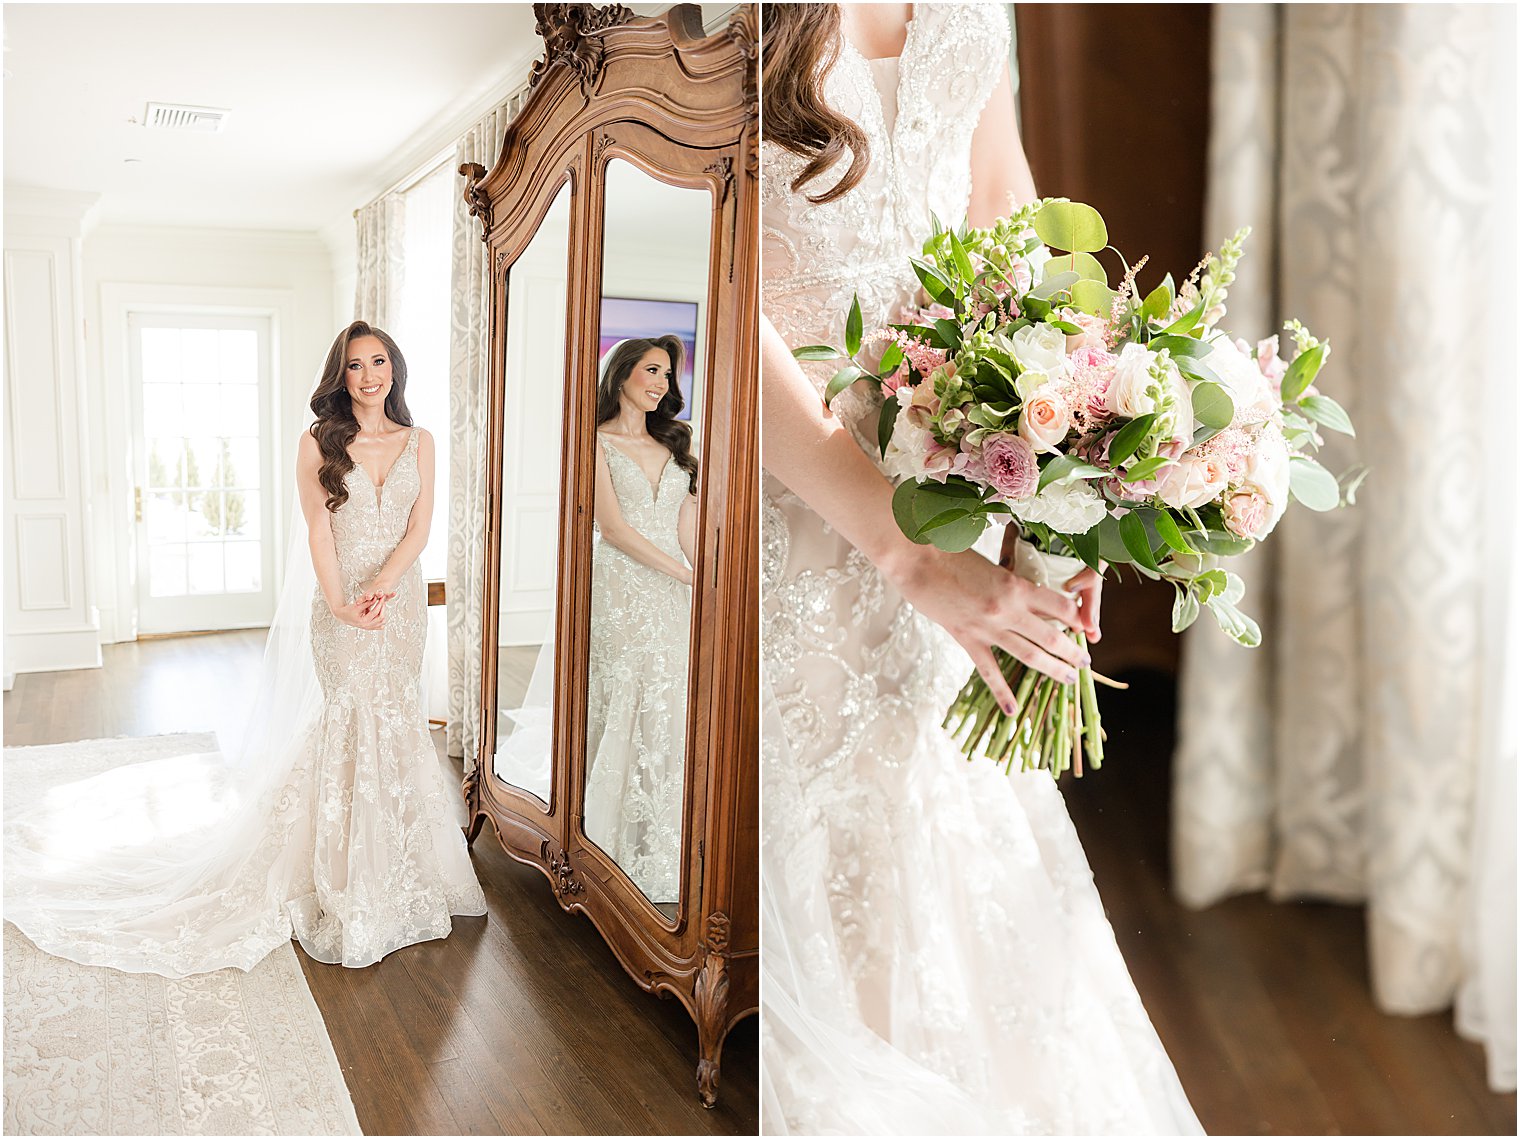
point(724, 169)
point(710, 996)
point(571, 34)
point(599, 147)
point(480, 202)
point(565, 883)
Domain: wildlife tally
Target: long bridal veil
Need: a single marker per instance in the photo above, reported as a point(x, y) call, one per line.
point(182, 865)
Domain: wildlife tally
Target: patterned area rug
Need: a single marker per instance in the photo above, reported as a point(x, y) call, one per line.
point(91, 1051)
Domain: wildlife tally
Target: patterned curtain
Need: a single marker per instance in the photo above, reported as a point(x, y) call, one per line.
point(1340, 761)
point(382, 261)
point(469, 374)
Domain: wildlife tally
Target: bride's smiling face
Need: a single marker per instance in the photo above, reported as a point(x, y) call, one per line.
point(650, 379)
point(367, 372)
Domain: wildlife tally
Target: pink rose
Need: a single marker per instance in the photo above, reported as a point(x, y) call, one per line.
point(1012, 469)
point(1193, 480)
point(1094, 329)
point(969, 463)
point(1247, 512)
point(1045, 420)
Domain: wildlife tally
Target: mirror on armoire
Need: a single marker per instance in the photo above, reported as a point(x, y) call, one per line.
point(652, 349)
point(533, 398)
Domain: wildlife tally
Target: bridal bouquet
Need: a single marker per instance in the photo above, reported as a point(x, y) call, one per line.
point(1114, 428)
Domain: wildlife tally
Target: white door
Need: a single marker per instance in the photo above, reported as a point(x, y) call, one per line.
point(201, 395)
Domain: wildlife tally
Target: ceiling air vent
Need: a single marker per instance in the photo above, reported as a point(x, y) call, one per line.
point(182, 117)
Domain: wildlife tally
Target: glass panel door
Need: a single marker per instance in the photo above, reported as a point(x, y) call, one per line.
point(204, 515)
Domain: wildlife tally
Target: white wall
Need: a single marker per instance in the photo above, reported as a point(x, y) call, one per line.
point(290, 273)
point(51, 620)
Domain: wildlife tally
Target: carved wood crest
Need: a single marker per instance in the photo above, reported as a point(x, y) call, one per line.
point(571, 34)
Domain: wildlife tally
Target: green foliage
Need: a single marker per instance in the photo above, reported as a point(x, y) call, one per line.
point(852, 328)
point(842, 379)
point(816, 352)
point(1323, 409)
point(1212, 406)
point(1092, 297)
point(1312, 485)
point(1071, 226)
point(1301, 373)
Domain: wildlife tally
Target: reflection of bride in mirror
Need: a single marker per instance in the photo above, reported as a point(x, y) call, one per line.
point(641, 575)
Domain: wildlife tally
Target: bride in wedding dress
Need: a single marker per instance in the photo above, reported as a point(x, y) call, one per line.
point(646, 514)
point(324, 815)
point(935, 957)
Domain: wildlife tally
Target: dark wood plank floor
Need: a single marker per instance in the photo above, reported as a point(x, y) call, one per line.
point(1264, 1007)
point(518, 1022)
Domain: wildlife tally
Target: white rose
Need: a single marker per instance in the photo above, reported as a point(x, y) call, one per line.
point(1255, 401)
point(1040, 348)
point(1267, 470)
point(1129, 392)
point(1045, 420)
point(1074, 508)
point(1193, 480)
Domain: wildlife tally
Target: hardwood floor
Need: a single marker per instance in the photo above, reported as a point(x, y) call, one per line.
point(518, 1022)
point(524, 1022)
point(1264, 1007)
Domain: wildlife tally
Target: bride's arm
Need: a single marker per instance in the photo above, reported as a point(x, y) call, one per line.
point(418, 523)
point(616, 529)
point(324, 550)
point(686, 528)
point(980, 604)
point(999, 169)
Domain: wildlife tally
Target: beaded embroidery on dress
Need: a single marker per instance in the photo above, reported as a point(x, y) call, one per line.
point(336, 826)
point(636, 698)
point(936, 958)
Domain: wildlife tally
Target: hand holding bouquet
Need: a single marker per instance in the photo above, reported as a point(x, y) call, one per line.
point(1112, 428)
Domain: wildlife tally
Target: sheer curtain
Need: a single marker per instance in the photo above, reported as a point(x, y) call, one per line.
point(1356, 756)
point(382, 260)
point(469, 373)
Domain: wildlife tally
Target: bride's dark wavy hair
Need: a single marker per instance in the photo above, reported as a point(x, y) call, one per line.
point(801, 46)
point(661, 423)
point(336, 426)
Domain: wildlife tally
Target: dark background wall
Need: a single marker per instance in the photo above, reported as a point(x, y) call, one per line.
point(1114, 112)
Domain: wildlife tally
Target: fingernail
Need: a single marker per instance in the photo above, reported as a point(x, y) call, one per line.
point(1086, 661)
point(1008, 707)
point(1071, 678)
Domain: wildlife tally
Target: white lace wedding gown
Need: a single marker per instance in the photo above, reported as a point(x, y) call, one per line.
point(935, 955)
point(636, 702)
point(332, 823)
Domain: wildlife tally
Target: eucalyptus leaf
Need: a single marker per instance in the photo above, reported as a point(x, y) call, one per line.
point(1092, 297)
point(1110, 545)
point(1312, 485)
point(1234, 588)
point(1071, 226)
point(1084, 265)
point(1212, 405)
point(1323, 409)
point(1051, 286)
point(852, 328)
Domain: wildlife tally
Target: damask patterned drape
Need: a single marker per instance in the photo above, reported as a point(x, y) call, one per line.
point(382, 261)
point(469, 374)
point(1343, 759)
